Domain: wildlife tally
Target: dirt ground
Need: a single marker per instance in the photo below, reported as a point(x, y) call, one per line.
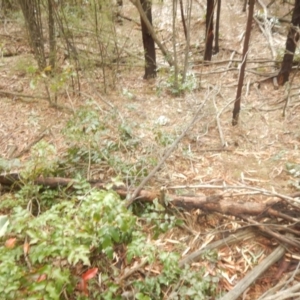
point(213, 152)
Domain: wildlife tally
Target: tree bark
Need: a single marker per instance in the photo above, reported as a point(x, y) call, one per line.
point(237, 103)
point(209, 38)
point(217, 26)
point(183, 19)
point(148, 42)
point(32, 13)
point(290, 47)
point(52, 39)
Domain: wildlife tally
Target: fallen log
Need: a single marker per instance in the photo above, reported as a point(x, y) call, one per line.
point(211, 203)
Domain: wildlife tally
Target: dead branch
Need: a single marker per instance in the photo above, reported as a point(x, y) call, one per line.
point(212, 203)
point(266, 30)
point(281, 238)
point(17, 95)
point(233, 238)
point(277, 289)
point(239, 288)
point(28, 147)
point(165, 157)
point(292, 201)
point(223, 143)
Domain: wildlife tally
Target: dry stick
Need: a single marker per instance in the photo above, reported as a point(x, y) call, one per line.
point(271, 233)
point(269, 295)
point(165, 157)
point(286, 294)
point(231, 239)
point(262, 191)
point(254, 274)
point(268, 35)
point(289, 85)
point(134, 269)
point(162, 48)
point(219, 124)
point(188, 39)
point(231, 60)
point(28, 147)
point(7, 94)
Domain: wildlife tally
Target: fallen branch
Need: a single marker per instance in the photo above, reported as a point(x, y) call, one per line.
point(17, 95)
point(255, 273)
point(233, 238)
point(267, 32)
point(165, 157)
point(291, 199)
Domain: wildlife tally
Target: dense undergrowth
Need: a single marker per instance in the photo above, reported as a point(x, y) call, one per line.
point(82, 243)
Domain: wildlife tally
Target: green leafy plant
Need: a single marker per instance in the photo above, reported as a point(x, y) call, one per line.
point(65, 235)
point(190, 83)
point(163, 138)
point(43, 161)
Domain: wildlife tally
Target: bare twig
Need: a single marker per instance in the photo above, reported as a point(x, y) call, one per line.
point(166, 156)
point(219, 124)
point(266, 30)
point(233, 238)
point(18, 95)
point(254, 274)
point(291, 200)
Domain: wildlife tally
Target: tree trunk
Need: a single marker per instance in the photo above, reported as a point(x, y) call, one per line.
point(290, 47)
point(183, 19)
point(148, 42)
point(217, 26)
point(52, 40)
point(209, 38)
point(32, 13)
point(237, 103)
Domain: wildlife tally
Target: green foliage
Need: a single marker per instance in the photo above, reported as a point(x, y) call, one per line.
point(159, 219)
point(67, 233)
point(43, 161)
point(7, 165)
point(184, 283)
point(163, 138)
point(27, 65)
point(49, 237)
point(177, 86)
point(100, 139)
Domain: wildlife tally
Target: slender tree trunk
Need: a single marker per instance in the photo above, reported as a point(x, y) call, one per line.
point(32, 13)
point(209, 37)
point(188, 38)
point(237, 103)
point(52, 40)
point(217, 26)
point(183, 19)
point(148, 42)
point(290, 47)
point(244, 5)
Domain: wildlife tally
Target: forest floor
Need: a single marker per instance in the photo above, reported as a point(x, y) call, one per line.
point(254, 153)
